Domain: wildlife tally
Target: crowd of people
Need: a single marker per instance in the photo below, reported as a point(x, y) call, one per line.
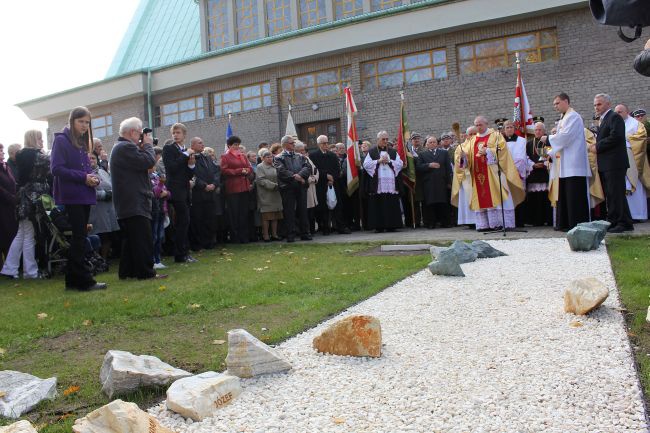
point(144, 202)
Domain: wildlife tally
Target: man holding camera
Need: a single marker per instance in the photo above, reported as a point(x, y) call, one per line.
point(179, 164)
point(131, 158)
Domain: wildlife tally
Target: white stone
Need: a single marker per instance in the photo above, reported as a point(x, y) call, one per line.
point(249, 357)
point(584, 295)
point(22, 391)
point(119, 417)
point(123, 372)
point(199, 396)
point(19, 427)
point(405, 247)
point(647, 317)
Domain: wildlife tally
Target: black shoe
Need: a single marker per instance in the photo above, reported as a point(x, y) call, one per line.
point(629, 228)
point(616, 229)
point(267, 240)
point(306, 238)
point(391, 230)
point(379, 230)
point(290, 240)
point(190, 259)
point(96, 286)
point(275, 238)
point(344, 231)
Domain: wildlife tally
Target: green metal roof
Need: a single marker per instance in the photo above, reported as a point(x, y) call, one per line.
point(161, 32)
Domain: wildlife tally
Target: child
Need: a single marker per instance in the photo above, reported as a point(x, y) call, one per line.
point(158, 212)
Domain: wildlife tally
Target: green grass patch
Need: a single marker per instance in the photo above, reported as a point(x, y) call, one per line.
point(630, 258)
point(285, 289)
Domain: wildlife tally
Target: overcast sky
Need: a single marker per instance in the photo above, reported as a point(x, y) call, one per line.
point(49, 46)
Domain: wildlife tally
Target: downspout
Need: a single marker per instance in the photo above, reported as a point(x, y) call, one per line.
point(149, 108)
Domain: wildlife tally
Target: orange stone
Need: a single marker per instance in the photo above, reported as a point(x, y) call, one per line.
point(351, 336)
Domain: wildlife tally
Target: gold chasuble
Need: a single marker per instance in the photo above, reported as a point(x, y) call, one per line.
point(485, 177)
point(460, 171)
point(638, 144)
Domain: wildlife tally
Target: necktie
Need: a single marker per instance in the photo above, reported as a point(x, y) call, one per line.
point(291, 154)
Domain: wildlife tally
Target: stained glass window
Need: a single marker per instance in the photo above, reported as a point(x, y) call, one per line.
point(377, 5)
point(184, 110)
point(241, 99)
point(347, 8)
point(246, 17)
point(315, 86)
point(397, 71)
point(278, 16)
point(218, 36)
point(312, 12)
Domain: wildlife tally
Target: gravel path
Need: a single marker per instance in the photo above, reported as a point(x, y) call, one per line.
point(492, 352)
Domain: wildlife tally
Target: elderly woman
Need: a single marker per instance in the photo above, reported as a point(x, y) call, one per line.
point(8, 224)
point(32, 183)
point(269, 201)
point(312, 200)
point(102, 215)
point(237, 172)
point(276, 149)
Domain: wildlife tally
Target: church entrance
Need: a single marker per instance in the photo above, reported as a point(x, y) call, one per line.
point(308, 132)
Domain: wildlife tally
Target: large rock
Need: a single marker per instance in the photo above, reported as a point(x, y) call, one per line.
point(123, 372)
point(599, 225)
point(464, 252)
point(351, 336)
point(248, 356)
point(22, 392)
point(197, 397)
point(583, 238)
point(485, 250)
point(119, 417)
point(585, 295)
point(446, 264)
point(19, 427)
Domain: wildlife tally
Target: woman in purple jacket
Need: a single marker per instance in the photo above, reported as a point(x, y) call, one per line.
point(74, 187)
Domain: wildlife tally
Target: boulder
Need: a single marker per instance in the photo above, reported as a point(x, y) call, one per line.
point(197, 397)
point(464, 252)
point(585, 295)
point(485, 250)
point(22, 392)
point(435, 252)
point(351, 336)
point(599, 225)
point(119, 417)
point(19, 427)
point(249, 357)
point(123, 372)
point(583, 238)
point(447, 264)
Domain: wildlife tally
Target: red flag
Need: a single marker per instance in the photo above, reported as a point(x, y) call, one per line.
point(403, 135)
point(352, 147)
point(523, 115)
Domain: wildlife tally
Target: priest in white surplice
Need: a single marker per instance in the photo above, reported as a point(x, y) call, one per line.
point(461, 185)
point(517, 148)
point(637, 175)
point(569, 151)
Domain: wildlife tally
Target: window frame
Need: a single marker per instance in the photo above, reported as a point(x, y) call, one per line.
point(507, 54)
point(222, 21)
point(353, 13)
point(160, 115)
point(309, 22)
point(270, 17)
point(340, 81)
point(262, 96)
point(253, 28)
point(105, 127)
point(383, 3)
point(404, 70)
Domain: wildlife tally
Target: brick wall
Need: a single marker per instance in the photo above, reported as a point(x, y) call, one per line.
point(591, 60)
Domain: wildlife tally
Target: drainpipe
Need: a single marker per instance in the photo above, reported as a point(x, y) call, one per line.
point(149, 108)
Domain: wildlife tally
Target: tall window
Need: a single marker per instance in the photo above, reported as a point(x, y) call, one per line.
point(241, 99)
point(102, 125)
point(246, 17)
point(377, 5)
point(318, 85)
point(184, 110)
point(535, 47)
point(347, 8)
point(218, 24)
point(278, 16)
point(312, 12)
point(396, 71)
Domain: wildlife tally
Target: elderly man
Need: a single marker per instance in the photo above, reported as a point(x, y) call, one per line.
point(346, 205)
point(461, 190)
point(12, 150)
point(435, 175)
point(538, 206)
point(130, 162)
point(383, 165)
point(293, 174)
point(637, 179)
point(202, 221)
point(329, 171)
point(611, 153)
point(570, 164)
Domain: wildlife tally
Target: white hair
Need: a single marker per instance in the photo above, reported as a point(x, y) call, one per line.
point(285, 139)
point(542, 124)
point(381, 134)
point(300, 145)
point(129, 124)
point(604, 96)
point(482, 119)
point(322, 139)
point(470, 129)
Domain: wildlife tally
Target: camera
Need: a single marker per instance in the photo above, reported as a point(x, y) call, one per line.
point(148, 131)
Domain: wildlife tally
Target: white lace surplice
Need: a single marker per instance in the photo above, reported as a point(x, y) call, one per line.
point(386, 175)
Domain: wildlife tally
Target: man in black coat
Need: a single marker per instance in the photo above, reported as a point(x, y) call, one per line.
point(202, 218)
point(611, 153)
point(329, 171)
point(435, 174)
point(293, 171)
point(179, 166)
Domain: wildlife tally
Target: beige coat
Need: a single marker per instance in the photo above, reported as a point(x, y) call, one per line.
point(268, 194)
point(312, 201)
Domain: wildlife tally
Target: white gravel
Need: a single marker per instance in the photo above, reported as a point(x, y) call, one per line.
point(491, 352)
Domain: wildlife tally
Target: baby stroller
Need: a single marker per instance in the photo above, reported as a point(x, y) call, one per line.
point(51, 241)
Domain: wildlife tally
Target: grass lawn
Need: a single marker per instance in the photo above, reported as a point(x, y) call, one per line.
point(630, 258)
point(274, 291)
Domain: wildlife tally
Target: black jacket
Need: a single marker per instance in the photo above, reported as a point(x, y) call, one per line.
point(610, 143)
point(434, 180)
point(326, 163)
point(178, 173)
point(537, 175)
point(206, 173)
point(132, 191)
point(287, 165)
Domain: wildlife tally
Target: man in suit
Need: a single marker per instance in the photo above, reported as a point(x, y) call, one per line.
point(435, 175)
point(179, 166)
point(293, 171)
point(202, 219)
point(329, 171)
point(611, 154)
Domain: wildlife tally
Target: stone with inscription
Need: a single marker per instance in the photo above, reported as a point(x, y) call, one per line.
point(351, 336)
point(19, 427)
point(21, 392)
point(585, 295)
point(123, 372)
point(249, 357)
point(119, 417)
point(197, 397)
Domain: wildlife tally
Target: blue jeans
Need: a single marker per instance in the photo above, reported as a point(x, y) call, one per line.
point(158, 231)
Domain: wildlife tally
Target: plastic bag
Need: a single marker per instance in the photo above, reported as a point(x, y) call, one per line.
point(331, 198)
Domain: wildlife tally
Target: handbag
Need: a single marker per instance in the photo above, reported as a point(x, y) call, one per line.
point(331, 197)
